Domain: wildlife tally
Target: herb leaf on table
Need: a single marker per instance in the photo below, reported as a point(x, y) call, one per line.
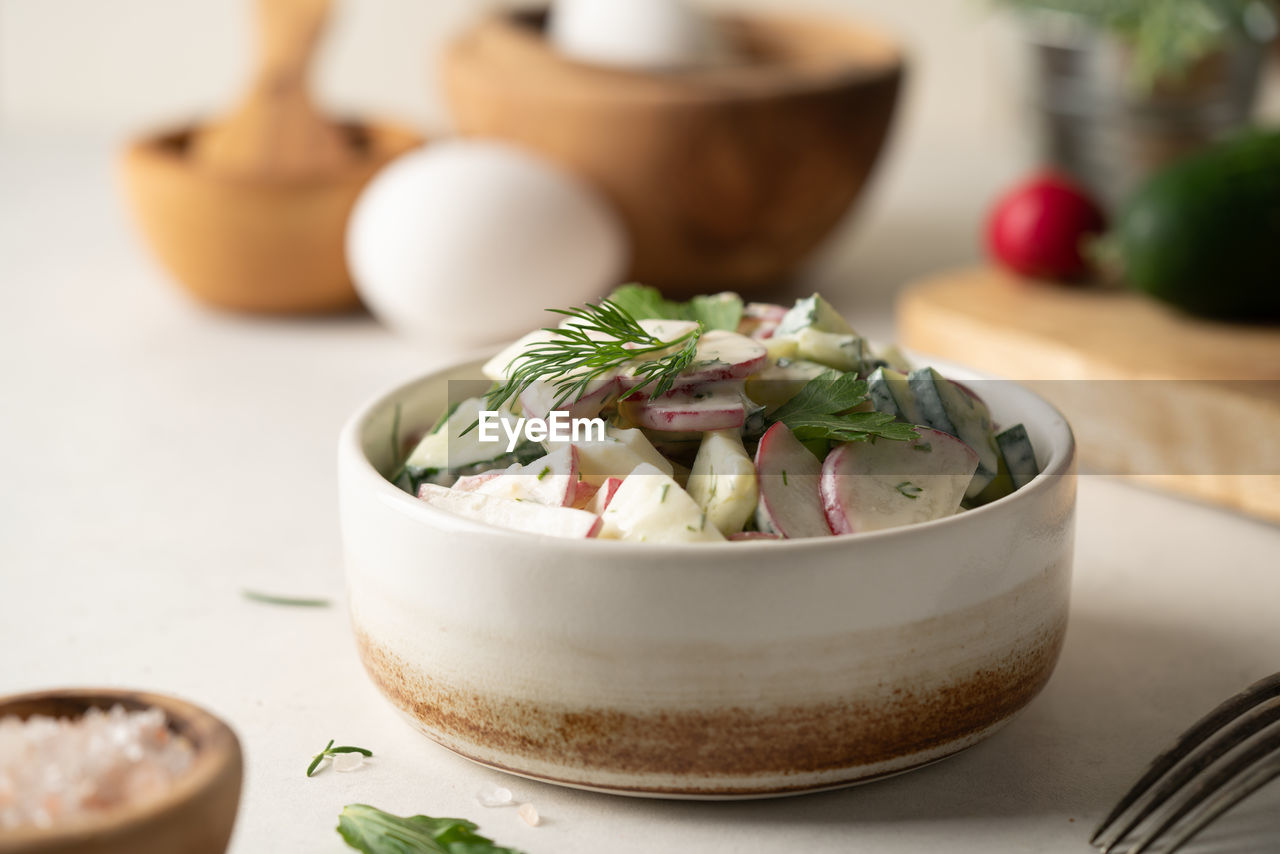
point(821, 411)
point(330, 751)
point(373, 831)
point(292, 601)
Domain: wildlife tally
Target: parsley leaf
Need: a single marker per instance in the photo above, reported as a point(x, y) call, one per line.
point(715, 311)
point(373, 831)
point(821, 411)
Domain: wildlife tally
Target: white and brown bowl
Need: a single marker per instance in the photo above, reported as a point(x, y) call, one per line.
point(708, 670)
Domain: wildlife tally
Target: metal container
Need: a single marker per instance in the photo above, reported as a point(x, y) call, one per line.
point(1107, 131)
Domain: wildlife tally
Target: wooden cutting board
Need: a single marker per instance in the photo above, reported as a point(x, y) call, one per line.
point(1188, 405)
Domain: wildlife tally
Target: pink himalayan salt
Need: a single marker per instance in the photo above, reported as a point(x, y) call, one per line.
point(58, 770)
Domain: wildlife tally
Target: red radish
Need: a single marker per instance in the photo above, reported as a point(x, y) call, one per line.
point(1038, 227)
point(552, 480)
point(583, 492)
point(600, 501)
point(869, 486)
point(720, 355)
point(527, 516)
point(789, 504)
point(698, 411)
point(472, 482)
point(752, 535)
point(538, 398)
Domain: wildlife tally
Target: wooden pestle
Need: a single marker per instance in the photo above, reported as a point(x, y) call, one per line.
point(277, 132)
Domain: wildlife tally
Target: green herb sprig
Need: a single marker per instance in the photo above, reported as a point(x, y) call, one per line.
point(373, 831)
point(821, 410)
point(1166, 37)
point(291, 601)
point(330, 751)
point(602, 338)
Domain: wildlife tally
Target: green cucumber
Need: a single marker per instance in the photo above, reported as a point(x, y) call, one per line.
point(1203, 234)
point(445, 453)
point(945, 406)
point(1018, 455)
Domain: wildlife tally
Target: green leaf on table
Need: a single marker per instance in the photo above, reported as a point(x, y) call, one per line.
point(713, 311)
point(291, 601)
point(821, 410)
point(373, 831)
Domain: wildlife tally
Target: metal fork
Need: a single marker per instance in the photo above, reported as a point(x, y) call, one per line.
point(1180, 777)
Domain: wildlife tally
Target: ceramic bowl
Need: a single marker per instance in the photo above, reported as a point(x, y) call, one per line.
point(710, 670)
point(726, 176)
point(254, 244)
point(195, 816)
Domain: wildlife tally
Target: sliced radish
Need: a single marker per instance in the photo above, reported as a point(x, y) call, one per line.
point(551, 480)
point(583, 493)
point(600, 500)
point(540, 396)
point(472, 482)
point(527, 516)
point(720, 355)
point(870, 486)
point(651, 507)
point(616, 455)
point(500, 366)
point(790, 504)
point(720, 409)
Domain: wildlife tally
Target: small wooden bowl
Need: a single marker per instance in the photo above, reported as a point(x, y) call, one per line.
point(251, 244)
point(726, 176)
point(194, 817)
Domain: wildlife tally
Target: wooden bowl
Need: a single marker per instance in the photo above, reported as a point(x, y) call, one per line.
point(726, 176)
point(194, 817)
point(254, 244)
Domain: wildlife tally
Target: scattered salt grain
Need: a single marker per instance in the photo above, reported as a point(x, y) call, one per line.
point(529, 813)
point(347, 761)
point(56, 770)
point(495, 796)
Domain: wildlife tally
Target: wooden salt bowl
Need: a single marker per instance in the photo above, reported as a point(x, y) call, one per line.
point(194, 817)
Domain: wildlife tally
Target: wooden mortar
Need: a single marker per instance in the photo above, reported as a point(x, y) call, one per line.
point(253, 243)
point(726, 176)
point(195, 816)
point(249, 211)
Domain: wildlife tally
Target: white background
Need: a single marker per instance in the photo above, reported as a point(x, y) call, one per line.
point(157, 458)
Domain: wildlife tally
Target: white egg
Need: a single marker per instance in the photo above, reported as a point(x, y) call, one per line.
point(635, 33)
point(466, 242)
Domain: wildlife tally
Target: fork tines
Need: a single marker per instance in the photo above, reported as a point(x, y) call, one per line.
point(1180, 776)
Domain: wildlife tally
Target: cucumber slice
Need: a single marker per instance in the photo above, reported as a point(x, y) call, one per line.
point(890, 392)
point(1019, 456)
point(812, 312)
point(445, 453)
point(945, 407)
point(839, 350)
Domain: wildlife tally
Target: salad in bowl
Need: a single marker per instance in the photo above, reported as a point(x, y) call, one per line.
point(648, 420)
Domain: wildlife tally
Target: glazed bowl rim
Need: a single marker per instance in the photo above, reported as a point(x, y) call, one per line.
point(1061, 463)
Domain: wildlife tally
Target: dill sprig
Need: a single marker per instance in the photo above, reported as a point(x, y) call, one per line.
point(601, 338)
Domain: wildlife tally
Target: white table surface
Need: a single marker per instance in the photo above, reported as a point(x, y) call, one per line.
point(157, 458)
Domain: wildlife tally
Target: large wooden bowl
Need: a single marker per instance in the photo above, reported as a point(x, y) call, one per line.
point(193, 817)
point(726, 176)
point(254, 244)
